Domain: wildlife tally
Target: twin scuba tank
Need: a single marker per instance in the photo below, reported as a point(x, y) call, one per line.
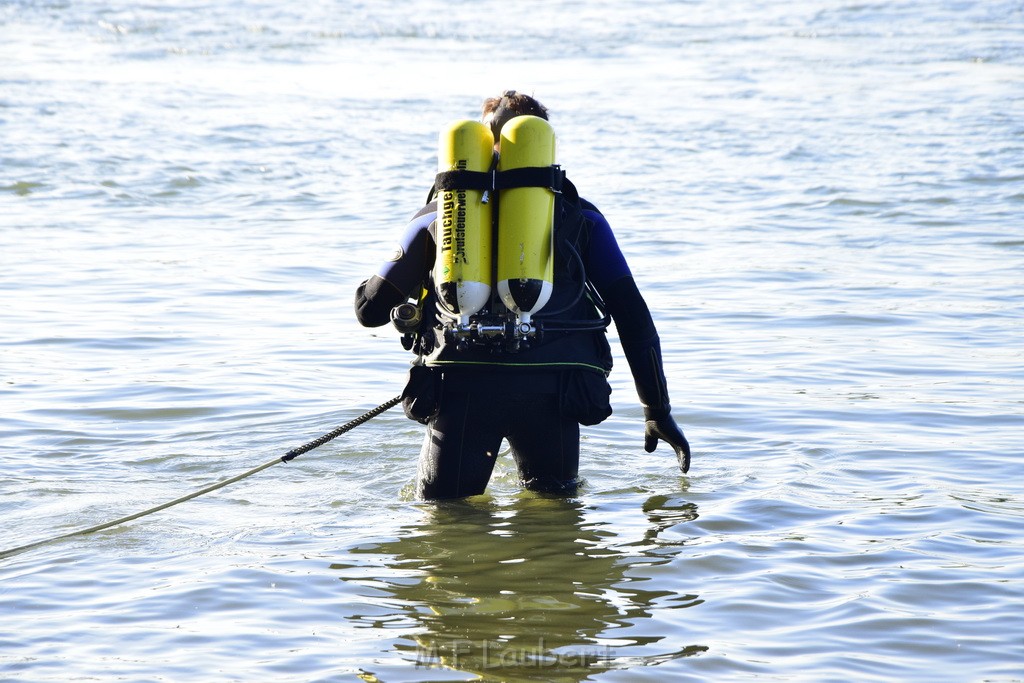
point(494, 232)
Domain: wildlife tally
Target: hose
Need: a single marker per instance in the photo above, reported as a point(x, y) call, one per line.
point(290, 455)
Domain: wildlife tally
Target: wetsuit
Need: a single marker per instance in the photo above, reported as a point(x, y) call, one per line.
point(521, 397)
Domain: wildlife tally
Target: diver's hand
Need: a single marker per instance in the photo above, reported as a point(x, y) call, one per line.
point(662, 426)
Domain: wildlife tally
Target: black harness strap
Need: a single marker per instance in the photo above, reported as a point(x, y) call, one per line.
point(463, 180)
point(552, 177)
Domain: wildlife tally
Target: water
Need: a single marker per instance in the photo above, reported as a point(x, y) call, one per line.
point(822, 202)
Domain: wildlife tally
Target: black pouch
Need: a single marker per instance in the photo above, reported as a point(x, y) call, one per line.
point(421, 396)
point(586, 396)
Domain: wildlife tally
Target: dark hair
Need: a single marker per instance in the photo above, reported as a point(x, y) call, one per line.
point(510, 105)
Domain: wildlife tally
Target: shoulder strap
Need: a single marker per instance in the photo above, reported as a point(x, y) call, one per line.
point(571, 225)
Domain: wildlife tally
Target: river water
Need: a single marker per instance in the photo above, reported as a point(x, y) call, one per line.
point(821, 200)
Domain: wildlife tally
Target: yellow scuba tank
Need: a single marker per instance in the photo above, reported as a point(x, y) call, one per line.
point(462, 268)
point(526, 219)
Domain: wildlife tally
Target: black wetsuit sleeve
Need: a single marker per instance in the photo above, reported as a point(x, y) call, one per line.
point(610, 275)
point(401, 277)
point(374, 300)
point(640, 344)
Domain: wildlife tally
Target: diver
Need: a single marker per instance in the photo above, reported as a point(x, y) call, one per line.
point(519, 356)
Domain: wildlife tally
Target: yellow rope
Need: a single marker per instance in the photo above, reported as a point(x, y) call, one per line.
point(213, 487)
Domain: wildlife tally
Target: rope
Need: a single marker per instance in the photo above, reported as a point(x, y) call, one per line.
point(290, 455)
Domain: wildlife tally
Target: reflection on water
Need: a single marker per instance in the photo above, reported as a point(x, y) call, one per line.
point(520, 587)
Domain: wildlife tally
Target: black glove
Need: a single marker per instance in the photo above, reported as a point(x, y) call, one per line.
point(642, 346)
point(645, 363)
point(660, 425)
